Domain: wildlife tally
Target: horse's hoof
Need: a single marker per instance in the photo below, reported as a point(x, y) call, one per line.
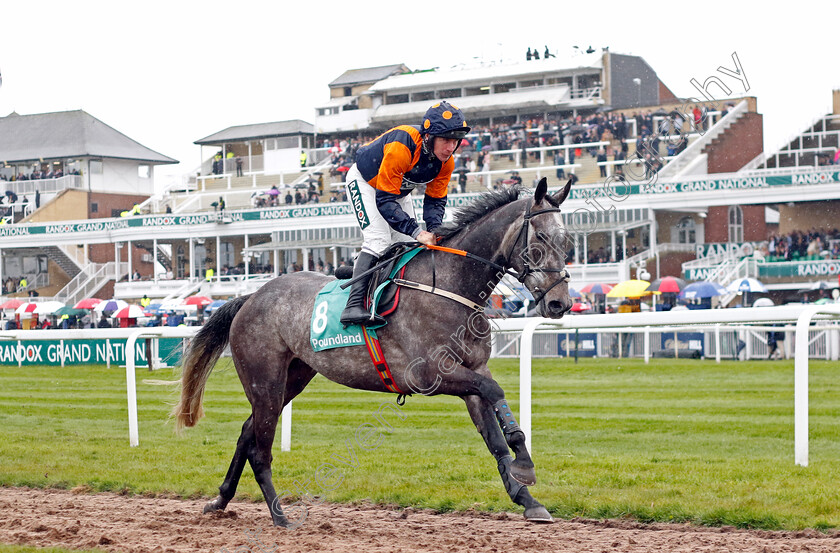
point(283, 522)
point(538, 514)
point(214, 505)
point(523, 472)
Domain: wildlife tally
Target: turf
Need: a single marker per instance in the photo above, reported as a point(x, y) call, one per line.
point(675, 440)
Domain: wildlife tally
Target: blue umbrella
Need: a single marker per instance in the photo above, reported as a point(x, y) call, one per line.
point(573, 293)
point(702, 289)
point(746, 285)
point(215, 304)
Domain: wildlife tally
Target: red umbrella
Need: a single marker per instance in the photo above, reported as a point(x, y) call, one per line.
point(579, 307)
point(667, 284)
point(199, 301)
point(130, 312)
point(13, 303)
point(343, 168)
point(26, 309)
point(87, 303)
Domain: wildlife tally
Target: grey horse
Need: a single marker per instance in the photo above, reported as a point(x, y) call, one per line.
point(499, 232)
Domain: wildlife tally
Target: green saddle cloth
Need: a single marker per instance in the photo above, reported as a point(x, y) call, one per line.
point(326, 331)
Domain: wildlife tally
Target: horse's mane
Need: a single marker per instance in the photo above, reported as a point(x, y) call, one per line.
point(475, 210)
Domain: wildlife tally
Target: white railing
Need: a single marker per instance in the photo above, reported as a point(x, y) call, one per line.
point(90, 280)
point(44, 186)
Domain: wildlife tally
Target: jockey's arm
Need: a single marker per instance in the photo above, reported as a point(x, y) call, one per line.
point(391, 211)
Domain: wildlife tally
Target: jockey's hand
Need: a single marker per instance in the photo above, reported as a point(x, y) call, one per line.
point(427, 238)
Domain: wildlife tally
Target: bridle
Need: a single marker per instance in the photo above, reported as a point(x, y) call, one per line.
point(527, 270)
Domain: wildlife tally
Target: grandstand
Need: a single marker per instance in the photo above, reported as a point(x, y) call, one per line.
point(705, 208)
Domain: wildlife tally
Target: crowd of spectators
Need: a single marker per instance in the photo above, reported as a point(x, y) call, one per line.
point(37, 174)
point(800, 245)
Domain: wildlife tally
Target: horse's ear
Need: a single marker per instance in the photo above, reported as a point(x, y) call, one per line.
point(541, 190)
point(562, 194)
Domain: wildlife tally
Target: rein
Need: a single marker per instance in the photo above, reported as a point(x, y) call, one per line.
point(527, 270)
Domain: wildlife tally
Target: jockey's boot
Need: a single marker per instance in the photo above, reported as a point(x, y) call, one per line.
point(355, 312)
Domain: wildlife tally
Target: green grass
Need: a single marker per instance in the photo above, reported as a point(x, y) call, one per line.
point(676, 440)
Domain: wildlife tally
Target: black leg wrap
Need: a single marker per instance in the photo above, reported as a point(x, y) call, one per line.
point(512, 487)
point(506, 418)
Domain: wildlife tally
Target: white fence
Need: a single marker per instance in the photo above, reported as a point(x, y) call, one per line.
point(524, 330)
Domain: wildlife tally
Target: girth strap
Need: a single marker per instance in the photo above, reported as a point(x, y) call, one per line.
point(432, 290)
point(379, 362)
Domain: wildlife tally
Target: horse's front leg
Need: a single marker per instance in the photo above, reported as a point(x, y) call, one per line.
point(495, 421)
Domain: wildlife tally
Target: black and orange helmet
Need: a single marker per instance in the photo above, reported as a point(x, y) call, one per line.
point(444, 120)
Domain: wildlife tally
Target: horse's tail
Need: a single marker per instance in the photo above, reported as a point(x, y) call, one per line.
point(204, 350)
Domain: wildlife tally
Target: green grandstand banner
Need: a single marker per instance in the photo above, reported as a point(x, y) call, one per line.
point(83, 352)
point(829, 267)
point(616, 190)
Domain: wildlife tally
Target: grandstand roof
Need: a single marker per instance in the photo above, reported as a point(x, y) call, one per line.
point(487, 71)
point(67, 134)
point(536, 98)
point(257, 131)
point(368, 75)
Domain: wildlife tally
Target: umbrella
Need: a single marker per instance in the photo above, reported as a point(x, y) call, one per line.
point(199, 301)
point(461, 170)
point(821, 301)
point(70, 312)
point(596, 288)
point(215, 304)
point(579, 307)
point(574, 293)
point(48, 307)
point(343, 169)
point(748, 284)
point(130, 312)
point(11, 304)
point(110, 306)
point(517, 126)
point(630, 289)
point(667, 284)
point(272, 191)
point(26, 310)
point(660, 111)
point(486, 148)
point(763, 302)
point(87, 303)
point(153, 309)
point(702, 289)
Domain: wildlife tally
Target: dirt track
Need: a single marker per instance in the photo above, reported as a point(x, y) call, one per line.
point(134, 524)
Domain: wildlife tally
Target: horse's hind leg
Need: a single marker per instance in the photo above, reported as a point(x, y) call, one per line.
point(299, 375)
point(244, 450)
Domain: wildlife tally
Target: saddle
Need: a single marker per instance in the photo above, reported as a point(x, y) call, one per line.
point(382, 289)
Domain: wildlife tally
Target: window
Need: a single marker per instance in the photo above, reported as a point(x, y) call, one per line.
point(686, 231)
point(397, 99)
point(422, 96)
point(449, 93)
point(226, 254)
point(94, 207)
point(736, 225)
point(143, 171)
point(503, 87)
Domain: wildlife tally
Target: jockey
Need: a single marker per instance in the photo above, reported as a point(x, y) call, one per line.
point(379, 188)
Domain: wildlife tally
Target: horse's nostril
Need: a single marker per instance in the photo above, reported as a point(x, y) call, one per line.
point(558, 306)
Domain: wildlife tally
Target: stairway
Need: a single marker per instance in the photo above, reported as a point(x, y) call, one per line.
point(162, 257)
point(64, 261)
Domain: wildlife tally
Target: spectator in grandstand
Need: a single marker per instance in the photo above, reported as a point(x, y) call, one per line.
point(238, 166)
point(560, 160)
point(381, 181)
point(602, 158)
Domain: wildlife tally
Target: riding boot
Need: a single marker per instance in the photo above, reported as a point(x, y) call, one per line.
point(355, 312)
